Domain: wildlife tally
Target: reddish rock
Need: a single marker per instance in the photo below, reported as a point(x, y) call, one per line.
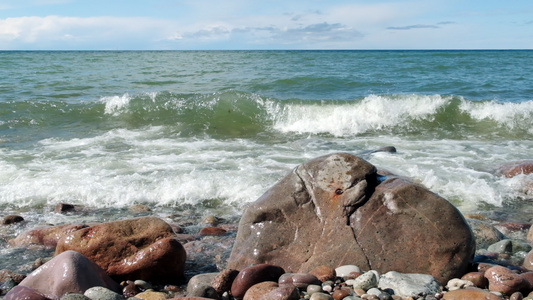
point(324, 273)
point(430, 235)
point(45, 236)
point(68, 272)
point(512, 169)
point(223, 281)
point(470, 294)
point(299, 280)
point(214, 231)
point(505, 281)
point(253, 275)
point(282, 293)
point(12, 219)
point(142, 248)
point(64, 207)
point(528, 276)
point(258, 290)
point(528, 261)
point(24, 293)
point(341, 294)
point(477, 278)
point(331, 211)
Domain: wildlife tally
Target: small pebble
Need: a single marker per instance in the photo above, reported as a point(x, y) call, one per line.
point(143, 285)
point(313, 288)
point(345, 270)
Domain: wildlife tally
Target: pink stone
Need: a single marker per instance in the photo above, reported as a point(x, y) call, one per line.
point(68, 272)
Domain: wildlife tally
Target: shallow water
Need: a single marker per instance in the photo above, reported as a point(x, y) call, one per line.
point(206, 132)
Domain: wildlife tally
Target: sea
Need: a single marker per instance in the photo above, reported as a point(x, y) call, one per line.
point(191, 134)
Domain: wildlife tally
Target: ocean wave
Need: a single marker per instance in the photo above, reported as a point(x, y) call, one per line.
point(234, 114)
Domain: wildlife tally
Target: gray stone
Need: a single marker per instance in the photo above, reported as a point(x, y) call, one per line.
point(320, 296)
point(484, 233)
point(74, 296)
point(366, 281)
point(200, 286)
point(101, 293)
point(409, 285)
point(503, 246)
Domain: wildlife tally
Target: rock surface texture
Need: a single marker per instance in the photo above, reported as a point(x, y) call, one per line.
point(69, 272)
point(143, 248)
point(335, 210)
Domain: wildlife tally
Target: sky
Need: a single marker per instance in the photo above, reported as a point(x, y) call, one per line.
point(264, 24)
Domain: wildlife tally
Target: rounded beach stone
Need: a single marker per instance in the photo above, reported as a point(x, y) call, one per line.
point(212, 231)
point(456, 284)
point(101, 293)
point(477, 278)
point(320, 296)
point(75, 297)
point(503, 280)
point(287, 292)
point(153, 295)
point(485, 233)
point(12, 219)
point(470, 294)
point(528, 261)
point(21, 292)
point(142, 248)
point(366, 281)
point(223, 280)
point(299, 280)
point(253, 275)
point(503, 246)
point(258, 290)
point(341, 294)
point(345, 270)
point(198, 283)
point(528, 276)
point(324, 273)
point(68, 272)
point(45, 236)
point(409, 285)
point(516, 296)
point(313, 288)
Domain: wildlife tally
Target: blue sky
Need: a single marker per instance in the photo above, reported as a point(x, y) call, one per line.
point(269, 24)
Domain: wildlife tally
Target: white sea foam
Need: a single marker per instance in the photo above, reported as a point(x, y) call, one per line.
point(507, 114)
point(115, 104)
point(374, 112)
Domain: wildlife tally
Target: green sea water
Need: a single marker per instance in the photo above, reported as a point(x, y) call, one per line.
point(210, 131)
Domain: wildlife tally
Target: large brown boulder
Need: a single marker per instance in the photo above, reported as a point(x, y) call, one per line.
point(143, 248)
point(334, 211)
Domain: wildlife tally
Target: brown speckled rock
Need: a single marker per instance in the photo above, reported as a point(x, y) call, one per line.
point(68, 272)
point(45, 236)
point(505, 281)
point(258, 290)
point(253, 275)
point(324, 273)
point(223, 280)
point(213, 231)
point(282, 293)
point(512, 169)
point(477, 278)
point(331, 211)
point(143, 248)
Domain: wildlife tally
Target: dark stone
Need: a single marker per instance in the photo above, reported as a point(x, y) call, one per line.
point(12, 219)
point(253, 275)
